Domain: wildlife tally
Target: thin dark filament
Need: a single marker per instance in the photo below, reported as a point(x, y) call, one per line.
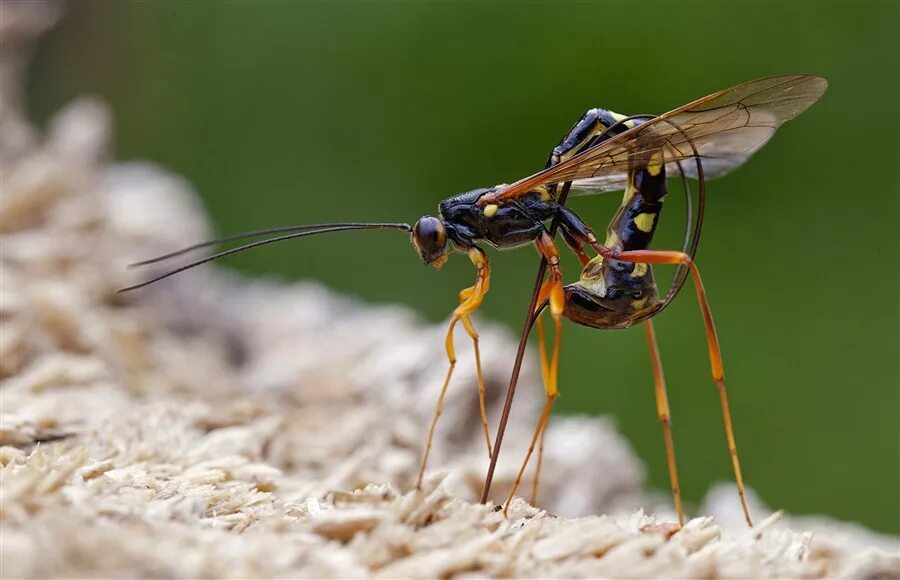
point(620, 123)
point(241, 236)
point(688, 208)
point(520, 352)
point(337, 228)
point(681, 271)
point(691, 250)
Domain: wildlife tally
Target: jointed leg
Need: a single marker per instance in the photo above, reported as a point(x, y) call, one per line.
point(715, 354)
point(538, 432)
point(665, 417)
point(576, 232)
point(545, 377)
point(536, 481)
point(470, 300)
point(575, 246)
point(551, 291)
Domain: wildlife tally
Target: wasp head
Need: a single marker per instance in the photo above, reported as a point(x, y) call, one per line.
point(429, 236)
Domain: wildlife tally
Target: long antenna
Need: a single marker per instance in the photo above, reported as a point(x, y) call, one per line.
point(241, 236)
point(320, 229)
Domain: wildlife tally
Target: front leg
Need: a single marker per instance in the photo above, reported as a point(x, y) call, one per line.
point(469, 301)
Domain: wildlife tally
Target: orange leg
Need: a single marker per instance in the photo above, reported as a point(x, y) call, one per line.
point(545, 376)
point(551, 290)
point(470, 300)
point(665, 417)
point(542, 423)
point(546, 372)
point(536, 482)
point(575, 245)
point(715, 354)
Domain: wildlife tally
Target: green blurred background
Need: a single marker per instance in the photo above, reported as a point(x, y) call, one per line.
point(285, 112)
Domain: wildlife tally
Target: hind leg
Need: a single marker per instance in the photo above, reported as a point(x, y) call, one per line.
point(715, 353)
point(665, 416)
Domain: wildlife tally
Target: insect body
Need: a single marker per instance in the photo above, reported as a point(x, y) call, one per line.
point(603, 151)
point(616, 289)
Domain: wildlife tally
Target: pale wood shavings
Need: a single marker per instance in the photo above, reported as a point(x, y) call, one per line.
point(213, 427)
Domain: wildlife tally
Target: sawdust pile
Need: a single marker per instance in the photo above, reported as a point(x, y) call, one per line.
point(214, 426)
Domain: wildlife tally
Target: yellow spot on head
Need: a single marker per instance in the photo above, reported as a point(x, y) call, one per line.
point(644, 222)
point(655, 165)
point(490, 210)
point(639, 269)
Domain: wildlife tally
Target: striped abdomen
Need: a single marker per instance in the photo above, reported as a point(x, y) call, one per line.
point(615, 294)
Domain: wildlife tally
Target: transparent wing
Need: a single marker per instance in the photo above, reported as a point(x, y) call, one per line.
point(602, 184)
point(723, 130)
point(617, 181)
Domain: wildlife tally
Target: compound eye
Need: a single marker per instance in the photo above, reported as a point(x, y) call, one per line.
point(427, 231)
point(430, 237)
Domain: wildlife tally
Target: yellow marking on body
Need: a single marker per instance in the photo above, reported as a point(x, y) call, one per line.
point(644, 222)
point(655, 164)
point(490, 210)
point(574, 150)
point(593, 270)
point(639, 269)
point(618, 117)
point(630, 190)
point(578, 148)
point(612, 239)
point(545, 193)
point(639, 303)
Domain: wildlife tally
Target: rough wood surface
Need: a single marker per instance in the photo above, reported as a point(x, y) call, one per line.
point(214, 426)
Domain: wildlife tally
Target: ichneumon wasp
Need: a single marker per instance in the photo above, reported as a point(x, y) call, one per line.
point(604, 151)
